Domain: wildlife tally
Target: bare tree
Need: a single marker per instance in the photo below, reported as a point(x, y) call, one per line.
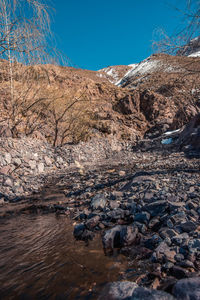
point(24, 38)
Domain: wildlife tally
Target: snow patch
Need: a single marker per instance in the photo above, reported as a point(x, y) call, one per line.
point(171, 132)
point(195, 54)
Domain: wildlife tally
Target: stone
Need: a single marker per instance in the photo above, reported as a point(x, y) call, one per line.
point(98, 201)
point(118, 237)
point(114, 204)
point(180, 239)
point(164, 253)
point(156, 208)
point(178, 272)
point(120, 290)
point(5, 170)
point(17, 161)
point(47, 160)
point(142, 293)
point(93, 222)
point(8, 182)
point(188, 226)
point(142, 217)
point(32, 164)
point(187, 289)
point(194, 246)
point(153, 242)
point(7, 157)
point(81, 233)
point(41, 167)
point(167, 232)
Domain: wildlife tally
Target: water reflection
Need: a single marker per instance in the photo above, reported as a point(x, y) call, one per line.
point(39, 259)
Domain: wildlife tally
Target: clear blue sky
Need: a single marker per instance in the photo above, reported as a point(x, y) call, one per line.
point(95, 34)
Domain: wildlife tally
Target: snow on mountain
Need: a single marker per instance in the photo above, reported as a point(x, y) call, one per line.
point(114, 73)
point(195, 54)
point(148, 66)
point(191, 49)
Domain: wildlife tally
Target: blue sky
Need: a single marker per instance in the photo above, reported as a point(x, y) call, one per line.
point(94, 34)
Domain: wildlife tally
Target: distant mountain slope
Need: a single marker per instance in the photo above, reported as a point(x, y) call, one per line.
point(192, 49)
point(114, 73)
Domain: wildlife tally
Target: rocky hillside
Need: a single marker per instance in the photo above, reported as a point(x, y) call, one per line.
point(63, 104)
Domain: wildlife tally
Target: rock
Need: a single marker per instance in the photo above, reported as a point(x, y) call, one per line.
point(119, 236)
point(179, 257)
point(156, 208)
point(98, 201)
point(114, 204)
point(47, 160)
point(17, 161)
point(40, 167)
point(142, 293)
point(32, 164)
point(5, 170)
point(93, 222)
point(142, 217)
point(180, 239)
point(78, 230)
point(178, 272)
point(164, 253)
point(120, 290)
point(153, 242)
point(187, 289)
point(8, 182)
point(8, 158)
point(167, 232)
point(81, 233)
point(188, 226)
point(194, 245)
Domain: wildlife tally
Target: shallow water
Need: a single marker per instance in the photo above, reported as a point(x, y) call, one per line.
point(40, 259)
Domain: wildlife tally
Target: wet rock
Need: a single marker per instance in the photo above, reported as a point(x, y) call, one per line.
point(142, 293)
point(119, 236)
point(81, 233)
point(93, 222)
point(98, 201)
point(187, 289)
point(120, 290)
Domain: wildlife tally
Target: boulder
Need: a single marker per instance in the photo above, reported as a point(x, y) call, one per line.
point(119, 290)
point(187, 289)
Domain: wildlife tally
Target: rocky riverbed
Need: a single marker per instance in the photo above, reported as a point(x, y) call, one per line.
point(145, 205)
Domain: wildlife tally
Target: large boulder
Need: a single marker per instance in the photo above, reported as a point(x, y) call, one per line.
point(119, 290)
point(187, 289)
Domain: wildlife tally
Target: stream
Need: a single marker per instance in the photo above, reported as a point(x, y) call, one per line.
point(40, 259)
